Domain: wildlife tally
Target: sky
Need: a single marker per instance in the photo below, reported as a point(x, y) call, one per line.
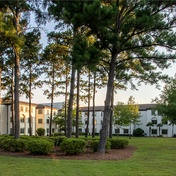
point(143, 95)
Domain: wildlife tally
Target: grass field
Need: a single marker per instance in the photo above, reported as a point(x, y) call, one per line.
point(153, 157)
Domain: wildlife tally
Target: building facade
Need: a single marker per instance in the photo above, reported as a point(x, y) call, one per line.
point(147, 115)
point(41, 119)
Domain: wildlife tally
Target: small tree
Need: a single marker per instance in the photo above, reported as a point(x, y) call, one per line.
point(166, 103)
point(126, 114)
point(40, 131)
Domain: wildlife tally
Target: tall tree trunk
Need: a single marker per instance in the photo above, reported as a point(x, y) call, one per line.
point(70, 103)
point(16, 20)
point(77, 104)
point(88, 110)
point(94, 91)
point(12, 106)
point(66, 95)
point(111, 115)
point(52, 99)
point(30, 99)
point(107, 107)
point(16, 93)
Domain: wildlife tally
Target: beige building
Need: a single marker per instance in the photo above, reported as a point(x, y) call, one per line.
point(43, 113)
point(40, 115)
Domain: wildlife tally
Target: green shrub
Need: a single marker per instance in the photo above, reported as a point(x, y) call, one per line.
point(58, 140)
point(73, 145)
point(138, 132)
point(40, 131)
point(4, 137)
point(118, 143)
point(59, 134)
point(14, 145)
point(40, 147)
point(94, 145)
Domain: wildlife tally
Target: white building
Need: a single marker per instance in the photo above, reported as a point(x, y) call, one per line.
point(41, 115)
point(147, 115)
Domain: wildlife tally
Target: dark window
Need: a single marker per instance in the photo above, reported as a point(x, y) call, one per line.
point(40, 121)
point(125, 131)
point(117, 130)
point(47, 120)
point(22, 130)
point(86, 122)
point(154, 131)
point(52, 130)
point(164, 131)
point(154, 120)
point(29, 130)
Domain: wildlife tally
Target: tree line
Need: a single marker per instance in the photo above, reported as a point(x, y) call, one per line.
point(110, 42)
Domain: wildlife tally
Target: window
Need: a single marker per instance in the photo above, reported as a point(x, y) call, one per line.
point(22, 119)
point(164, 131)
point(26, 109)
point(29, 130)
point(125, 131)
point(40, 121)
point(101, 114)
point(47, 130)
point(47, 112)
point(86, 122)
point(154, 131)
point(21, 108)
point(52, 130)
point(47, 120)
point(39, 111)
point(154, 120)
point(86, 114)
point(11, 119)
point(22, 130)
point(117, 130)
point(153, 112)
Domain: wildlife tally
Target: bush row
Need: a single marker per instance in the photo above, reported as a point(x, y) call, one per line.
point(45, 145)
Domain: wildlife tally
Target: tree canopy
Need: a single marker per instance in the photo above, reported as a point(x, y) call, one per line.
point(166, 102)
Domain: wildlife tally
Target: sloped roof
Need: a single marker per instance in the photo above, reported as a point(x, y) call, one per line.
point(142, 107)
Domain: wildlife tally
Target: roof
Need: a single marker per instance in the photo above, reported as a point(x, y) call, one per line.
point(142, 107)
point(57, 105)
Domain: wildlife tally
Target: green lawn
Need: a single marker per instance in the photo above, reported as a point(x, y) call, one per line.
point(153, 157)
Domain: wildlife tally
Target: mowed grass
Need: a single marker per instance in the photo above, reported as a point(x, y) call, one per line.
point(153, 157)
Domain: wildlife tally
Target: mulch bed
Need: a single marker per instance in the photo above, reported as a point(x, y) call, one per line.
point(120, 154)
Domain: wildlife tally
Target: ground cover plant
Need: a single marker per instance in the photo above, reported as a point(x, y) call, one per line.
point(152, 157)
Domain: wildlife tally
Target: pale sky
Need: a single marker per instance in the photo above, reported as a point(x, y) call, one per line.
point(145, 93)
